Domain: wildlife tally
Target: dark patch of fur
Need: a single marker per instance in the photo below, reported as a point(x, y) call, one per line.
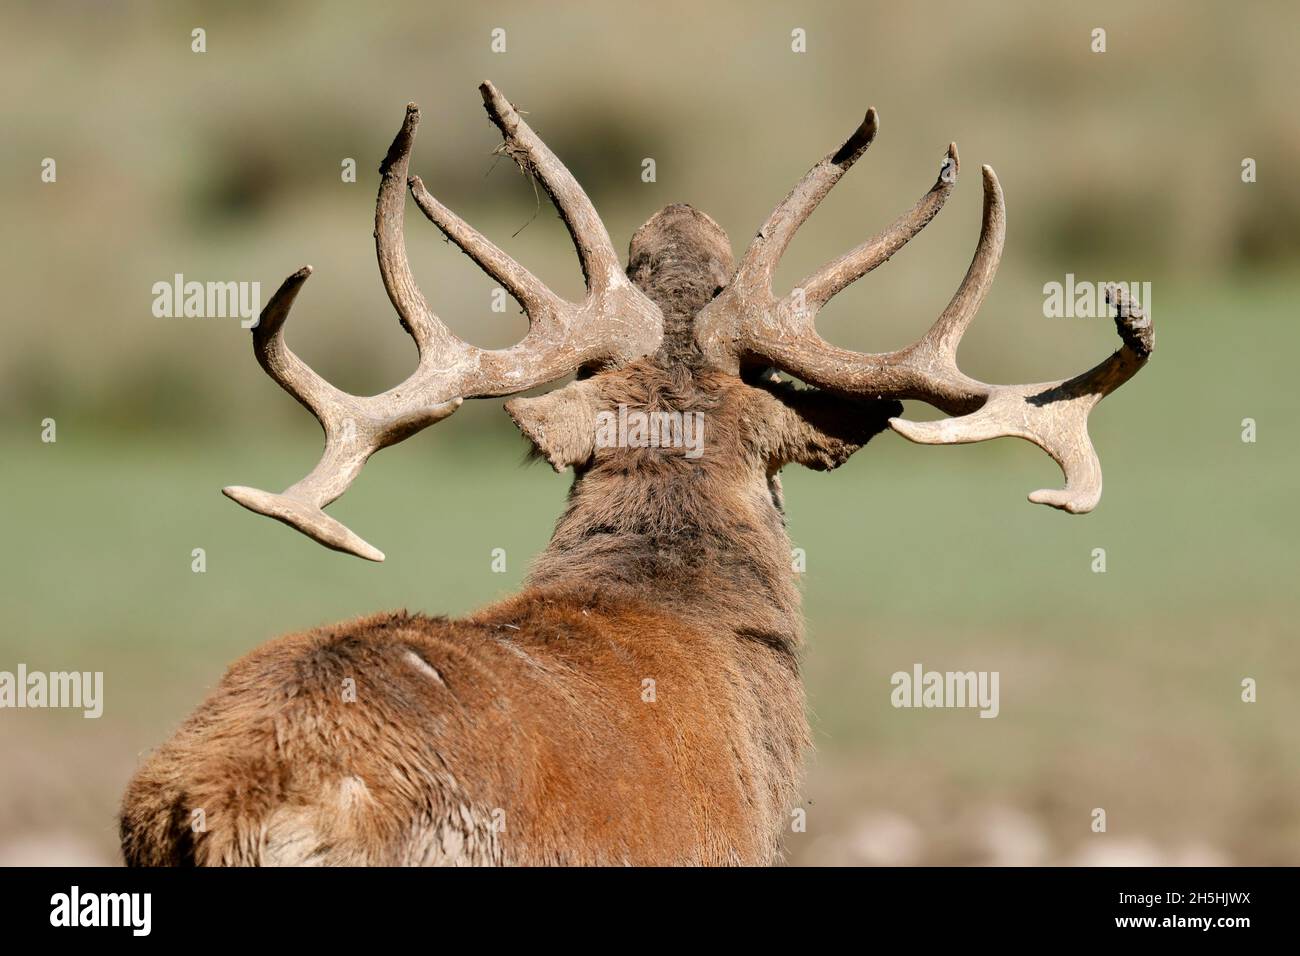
point(680, 258)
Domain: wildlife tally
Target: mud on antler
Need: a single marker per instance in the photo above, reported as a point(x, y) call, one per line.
point(615, 323)
point(746, 325)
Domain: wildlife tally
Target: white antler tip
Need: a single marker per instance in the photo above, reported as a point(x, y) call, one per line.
point(903, 427)
point(945, 431)
point(1065, 500)
point(305, 517)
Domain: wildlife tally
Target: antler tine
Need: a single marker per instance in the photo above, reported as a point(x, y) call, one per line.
point(599, 260)
point(773, 237)
point(279, 361)
point(617, 323)
point(1053, 415)
point(747, 322)
point(390, 243)
point(743, 326)
point(946, 333)
point(355, 428)
point(353, 432)
point(529, 291)
point(836, 276)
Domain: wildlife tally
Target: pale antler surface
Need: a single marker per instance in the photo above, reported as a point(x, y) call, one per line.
point(747, 325)
point(614, 324)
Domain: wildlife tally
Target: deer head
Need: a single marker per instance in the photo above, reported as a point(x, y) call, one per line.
point(670, 566)
point(681, 332)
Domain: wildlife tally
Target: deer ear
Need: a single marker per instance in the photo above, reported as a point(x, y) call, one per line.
point(561, 424)
point(817, 429)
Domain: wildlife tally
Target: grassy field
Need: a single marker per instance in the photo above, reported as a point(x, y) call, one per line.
point(1119, 690)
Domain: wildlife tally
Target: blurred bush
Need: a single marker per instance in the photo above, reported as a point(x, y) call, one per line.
point(225, 165)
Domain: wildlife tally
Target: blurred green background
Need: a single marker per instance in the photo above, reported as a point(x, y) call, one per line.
point(1119, 690)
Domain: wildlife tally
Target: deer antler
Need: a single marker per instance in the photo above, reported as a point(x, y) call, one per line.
point(747, 325)
point(614, 324)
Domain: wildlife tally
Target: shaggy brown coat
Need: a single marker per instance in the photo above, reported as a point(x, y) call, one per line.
point(639, 702)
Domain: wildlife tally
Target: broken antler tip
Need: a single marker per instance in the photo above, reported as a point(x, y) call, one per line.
point(1125, 304)
point(292, 284)
point(500, 110)
point(1132, 323)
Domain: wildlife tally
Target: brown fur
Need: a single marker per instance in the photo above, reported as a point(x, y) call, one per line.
point(524, 734)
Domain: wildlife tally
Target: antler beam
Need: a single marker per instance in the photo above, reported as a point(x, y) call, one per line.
point(746, 325)
point(615, 323)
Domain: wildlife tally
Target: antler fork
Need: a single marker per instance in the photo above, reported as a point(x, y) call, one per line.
point(614, 323)
point(746, 325)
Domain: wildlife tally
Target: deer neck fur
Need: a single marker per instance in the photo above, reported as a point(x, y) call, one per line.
point(701, 538)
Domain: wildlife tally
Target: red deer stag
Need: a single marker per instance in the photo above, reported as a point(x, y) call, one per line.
point(526, 734)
